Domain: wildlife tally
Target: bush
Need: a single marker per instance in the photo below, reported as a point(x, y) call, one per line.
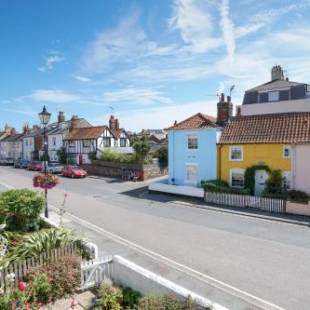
point(111, 297)
point(162, 155)
point(218, 186)
point(130, 298)
point(115, 157)
point(63, 276)
point(298, 196)
point(39, 288)
point(274, 184)
point(21, 209)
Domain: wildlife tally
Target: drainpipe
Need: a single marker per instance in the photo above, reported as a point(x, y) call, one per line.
point(293, 165)
point(219, 164)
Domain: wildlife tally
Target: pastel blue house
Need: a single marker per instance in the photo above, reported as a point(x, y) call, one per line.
point(192, 149)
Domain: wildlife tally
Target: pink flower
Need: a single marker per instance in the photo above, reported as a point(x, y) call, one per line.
point(22, 286)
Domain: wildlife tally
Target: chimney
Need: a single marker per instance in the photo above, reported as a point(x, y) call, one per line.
point(61, 117)
point(113, 123)
point(26, 129)
point(277, 73)
point(74, 122)
point(13, 132)
point(224, 110)
point(238, 110)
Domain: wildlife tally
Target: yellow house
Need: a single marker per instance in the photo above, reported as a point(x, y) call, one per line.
point(261, 140)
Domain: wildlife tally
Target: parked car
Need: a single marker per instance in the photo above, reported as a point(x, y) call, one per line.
point(21, 163)
point(55, 168)
point(35, 166)
point(74, 171)
point(6, 161)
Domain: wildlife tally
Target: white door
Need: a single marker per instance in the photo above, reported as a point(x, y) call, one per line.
point(261, 177)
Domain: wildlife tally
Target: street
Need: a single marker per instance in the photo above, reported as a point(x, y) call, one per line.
point(235, 260)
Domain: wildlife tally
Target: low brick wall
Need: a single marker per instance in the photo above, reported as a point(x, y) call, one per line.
point(119, 170)
point(298, 208)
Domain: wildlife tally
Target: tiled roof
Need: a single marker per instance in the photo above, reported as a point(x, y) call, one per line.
point(268, 128)
point(85, 133)
point(14, 138)
point(196, 121)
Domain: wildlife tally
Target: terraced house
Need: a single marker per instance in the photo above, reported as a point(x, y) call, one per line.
point(272, 130)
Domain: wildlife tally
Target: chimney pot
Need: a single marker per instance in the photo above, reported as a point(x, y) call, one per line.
point(74, 122)
point(277, 73)
point(224, 110)
point(61, 117)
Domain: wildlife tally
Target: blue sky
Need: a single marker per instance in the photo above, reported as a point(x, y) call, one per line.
point(152, 62)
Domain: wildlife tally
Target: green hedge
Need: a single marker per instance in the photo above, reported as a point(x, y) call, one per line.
point(219, 186)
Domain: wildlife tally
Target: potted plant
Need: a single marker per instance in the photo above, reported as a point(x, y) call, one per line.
point(47, 181)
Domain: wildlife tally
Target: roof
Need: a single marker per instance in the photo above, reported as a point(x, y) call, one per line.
point(13, 138)
point(85, 133)
point(63, 126)
point(268, 128)
point(274, 85)
point(196, 121)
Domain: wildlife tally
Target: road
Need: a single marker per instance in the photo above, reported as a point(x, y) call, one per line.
point(252, 258)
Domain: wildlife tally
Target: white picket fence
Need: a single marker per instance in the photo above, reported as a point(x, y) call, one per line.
point(15, 272)
point(94, 272)
point(246, 201)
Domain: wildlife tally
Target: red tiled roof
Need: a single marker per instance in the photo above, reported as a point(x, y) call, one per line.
point(269, 128)
point(196, 121)
point(85, 133)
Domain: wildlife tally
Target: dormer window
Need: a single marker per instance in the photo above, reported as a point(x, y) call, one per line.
point(273, 96)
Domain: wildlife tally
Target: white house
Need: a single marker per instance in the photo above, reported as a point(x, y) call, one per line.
point(57, 134)
point(12, 146)
point(3, 135)
point(80, 143)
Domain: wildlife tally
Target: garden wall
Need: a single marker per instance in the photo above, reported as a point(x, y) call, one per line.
point(298, 208)
point(122, 171)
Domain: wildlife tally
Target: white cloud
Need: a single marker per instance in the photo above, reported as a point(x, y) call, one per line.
point(193, 20)
point(52, 59)
point(228, 29)
point(136, 95)
point(82, 78)
point(50, 95)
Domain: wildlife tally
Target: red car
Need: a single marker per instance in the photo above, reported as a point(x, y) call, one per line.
point(35, 166)
point(74, 172)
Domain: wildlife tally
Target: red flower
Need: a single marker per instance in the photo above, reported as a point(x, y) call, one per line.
point(22, 286)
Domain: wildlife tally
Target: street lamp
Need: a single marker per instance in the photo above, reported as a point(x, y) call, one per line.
point(45, 118)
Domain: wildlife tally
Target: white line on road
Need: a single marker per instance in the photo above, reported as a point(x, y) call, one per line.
point(250, 298)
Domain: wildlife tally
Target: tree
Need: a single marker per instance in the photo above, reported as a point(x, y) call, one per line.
point(142, 148)
point(162, 155)
point(274, 184)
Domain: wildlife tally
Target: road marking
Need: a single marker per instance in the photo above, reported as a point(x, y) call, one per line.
point(250, 298)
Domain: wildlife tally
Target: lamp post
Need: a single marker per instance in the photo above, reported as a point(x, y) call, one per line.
point(45, 118)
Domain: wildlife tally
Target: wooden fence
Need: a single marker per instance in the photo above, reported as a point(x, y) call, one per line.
point(246, 201)
point(15, 272)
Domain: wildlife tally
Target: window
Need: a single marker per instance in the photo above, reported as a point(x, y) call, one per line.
point(191, 173)
point(192, 142)
point(30, 142)
point(71, 143)
point(106, 142)
point(86, 143)
point(54, 141)
point(286, 152)
point(236, 153)
point(286, 179)
point(26, 142)
point(237, 178)
point(123, 142)
point(273, 96)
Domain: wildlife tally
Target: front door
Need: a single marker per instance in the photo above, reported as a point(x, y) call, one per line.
point(261, 177)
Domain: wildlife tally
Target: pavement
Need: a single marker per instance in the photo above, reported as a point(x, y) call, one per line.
point(239, 261)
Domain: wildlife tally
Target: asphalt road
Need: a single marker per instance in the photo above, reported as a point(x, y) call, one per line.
point(267, 259)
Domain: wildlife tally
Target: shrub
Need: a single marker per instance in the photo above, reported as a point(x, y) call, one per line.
point(21, 208)
point(162, 155)
point(274, 184)
point(111, 297)
point(298, 196)
point(217, 186)
point(130, 298)
point(39, 288)
point(36, 243)
point(142, 149)
point(115, 157)
point(63, 276)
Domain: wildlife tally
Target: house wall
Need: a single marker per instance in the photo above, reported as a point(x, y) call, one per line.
point(253, 154)
point(300, 105)
point(179, 155)
point(18, 149)
point(52, 149)
point(28, 147)
point(301, 168)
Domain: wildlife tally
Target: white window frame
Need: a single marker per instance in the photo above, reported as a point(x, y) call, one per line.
point(86, 143)
point(192, 136)
point(231, 148)
point(273, 96)
point(287, 147)
point(188, 181)
point(236, 171)
point(71, 143)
